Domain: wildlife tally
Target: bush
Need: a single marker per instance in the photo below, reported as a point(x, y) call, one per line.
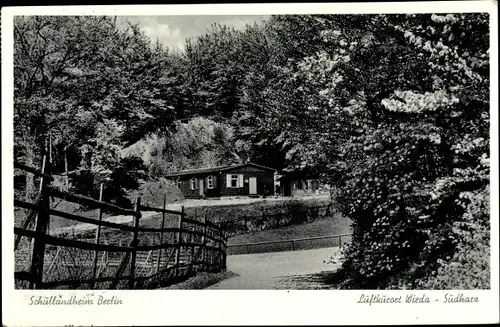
point(153, 191)
point(469, 269)
point(469, 266)
point(298, 212)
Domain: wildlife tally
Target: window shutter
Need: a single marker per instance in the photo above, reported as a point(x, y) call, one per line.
point(214, 181)
point(228, 180)
point(240, 180)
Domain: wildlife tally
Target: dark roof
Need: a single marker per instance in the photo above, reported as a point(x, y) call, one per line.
point(215, 169)
point(197, 171)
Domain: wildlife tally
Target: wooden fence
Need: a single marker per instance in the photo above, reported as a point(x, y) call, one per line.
point(193, 245)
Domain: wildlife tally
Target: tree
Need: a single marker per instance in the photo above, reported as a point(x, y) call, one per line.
point(85, 81)
point(398, 112)
point(215, 70)
point(199, 143)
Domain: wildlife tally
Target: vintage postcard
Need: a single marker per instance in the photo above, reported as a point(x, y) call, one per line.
point(250, 164)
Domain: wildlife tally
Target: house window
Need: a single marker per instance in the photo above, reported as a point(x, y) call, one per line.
point(193, 184)
point(234, 181)
point(210, 182)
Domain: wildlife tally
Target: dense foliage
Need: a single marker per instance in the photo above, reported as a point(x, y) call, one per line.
point(405, 122)
point(86, 87)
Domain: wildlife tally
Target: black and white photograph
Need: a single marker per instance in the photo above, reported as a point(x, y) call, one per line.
point(324, 151)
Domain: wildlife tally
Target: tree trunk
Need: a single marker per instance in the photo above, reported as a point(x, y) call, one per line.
point(30, 189)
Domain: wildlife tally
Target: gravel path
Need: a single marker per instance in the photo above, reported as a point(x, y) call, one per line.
point(280, 270)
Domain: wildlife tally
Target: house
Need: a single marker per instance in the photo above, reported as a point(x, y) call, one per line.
point(298, 184)
point(247, 179)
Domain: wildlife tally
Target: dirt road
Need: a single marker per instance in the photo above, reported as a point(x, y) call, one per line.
point(279, 270)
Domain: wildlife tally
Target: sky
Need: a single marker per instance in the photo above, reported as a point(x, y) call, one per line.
point(174, 30)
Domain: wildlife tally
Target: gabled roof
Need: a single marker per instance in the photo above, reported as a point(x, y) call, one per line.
point(216, 169)
point(197, 171)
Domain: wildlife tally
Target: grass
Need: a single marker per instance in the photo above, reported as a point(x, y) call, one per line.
point(337, 224)
point(201, 281)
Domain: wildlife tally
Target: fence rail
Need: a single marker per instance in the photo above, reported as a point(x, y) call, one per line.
point(289, 245)
point(147, 208)
point(56, 192)
point(35, 172)
point(195, 245)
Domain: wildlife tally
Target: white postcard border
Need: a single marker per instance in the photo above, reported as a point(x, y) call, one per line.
point(238, 307)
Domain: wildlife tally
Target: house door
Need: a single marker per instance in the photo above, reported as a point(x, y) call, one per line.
point(252, 181)
point(202, 191)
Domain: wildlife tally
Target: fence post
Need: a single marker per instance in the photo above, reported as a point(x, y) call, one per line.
point(179, 241)
point(203, 241)
point(33, 213)
point(214, 252)
point(161, 234)
point(210, 251)
point(224, 254)
point(135, 236)
point(97, 236)
point(42, 220)
point(221, 245)
point(193, 240)
point(216, 245)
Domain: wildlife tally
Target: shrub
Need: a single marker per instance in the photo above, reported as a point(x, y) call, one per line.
point(469, 266)
point(298, 212)
point(153, 191)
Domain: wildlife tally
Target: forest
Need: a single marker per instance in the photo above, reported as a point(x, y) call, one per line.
point(392, 110)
